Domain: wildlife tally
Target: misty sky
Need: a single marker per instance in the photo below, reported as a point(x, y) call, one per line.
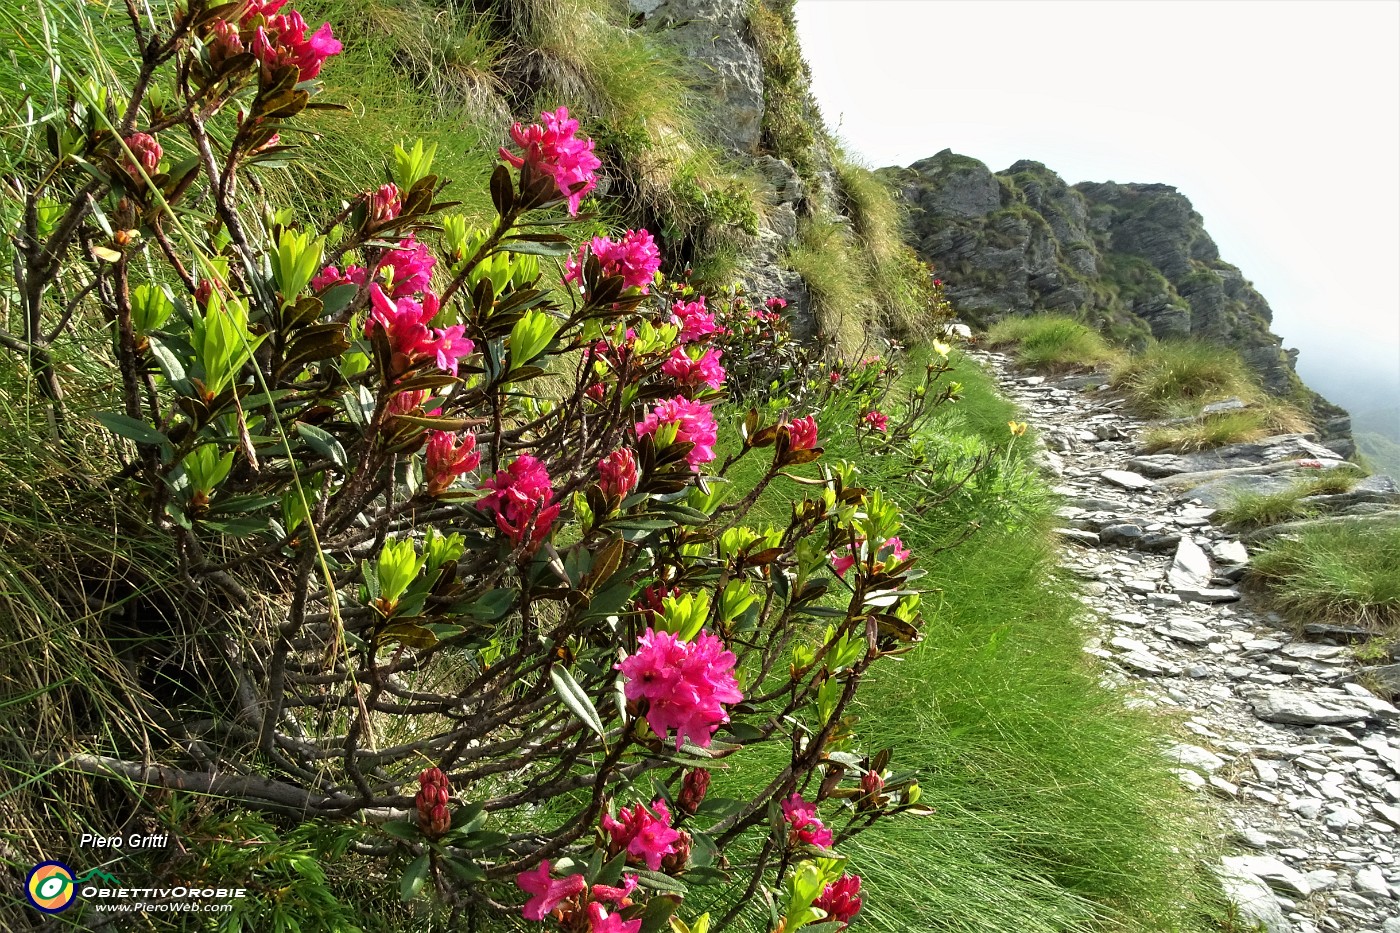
point(1279, 120)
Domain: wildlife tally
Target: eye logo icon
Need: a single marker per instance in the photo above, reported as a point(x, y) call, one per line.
point(51, 887)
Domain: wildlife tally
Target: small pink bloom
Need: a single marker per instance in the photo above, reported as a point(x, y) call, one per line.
point(806, 827)
point(694, 371)
point(686, 684)
point(618, 473)
point(893, 550)
point(600, 921)
point(841, 562)
point(410, 267)
point(553, 148)
point(450, 346)
point(802, 433)
point(645, 835)
point(595, 392)
point(330, 275)
point(694, 320)
point(775, 304)
point(840, 899)
point(282, 41)
point(621, 897)
point(835, 377)
point(147, 152)
point(635, 258)
point(384, 204)
point(521, 494)
point(877, 421)
point(448, 456)
point(224, 42)
point(696, 426)
point(547, 893)
point(405, 325)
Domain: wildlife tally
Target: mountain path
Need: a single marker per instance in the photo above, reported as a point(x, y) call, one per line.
point(1302, 763)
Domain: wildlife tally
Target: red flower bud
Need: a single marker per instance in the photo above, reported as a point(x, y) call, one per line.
point(674, 863)
point(431, 802)
point(871, 785)
point(693, 787)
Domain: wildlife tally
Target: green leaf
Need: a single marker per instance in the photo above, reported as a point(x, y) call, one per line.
point(535, 249)
point(401, 829)
point(323, 443)
point(574, 698)
point(139, 431)
point(413, 877)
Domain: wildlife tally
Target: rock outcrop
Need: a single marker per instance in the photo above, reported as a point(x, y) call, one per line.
point(1134, 258)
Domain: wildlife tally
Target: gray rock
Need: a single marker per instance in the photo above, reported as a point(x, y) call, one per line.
point(1190, 567)
point(1188, 631)
point(714, 37)
point(1371, 882)
point(1123, 533)
point(1126, 479)
point(1254, 900)
point(1206, 594)
point(1271, 871)
point(1193, 756)
point(1229, 552)
point(1288, 706)
point(1224, 405)
point(1078, 535)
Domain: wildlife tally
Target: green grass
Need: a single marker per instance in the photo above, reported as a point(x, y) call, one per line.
point(1051, 342)
point(1267, 418)
point(1052, 812)
point(826, 256)
point(1255, 510)
point(1175, 378)
point(1348, 572)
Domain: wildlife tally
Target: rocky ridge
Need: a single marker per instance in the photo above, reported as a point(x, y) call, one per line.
point(1301, 760)
point(1133, 258)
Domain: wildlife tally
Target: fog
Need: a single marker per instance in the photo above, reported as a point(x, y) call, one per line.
point(1280, 121)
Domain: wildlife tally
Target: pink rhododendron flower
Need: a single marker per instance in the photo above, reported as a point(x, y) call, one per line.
point(806, 827)
point(281, 41)
point(893, 550)
point(877, 421)
point(775, 304)
point(448, 456)
point(600, 921)
point(411, 267)
point(522, 493)
point(696, 425)
point(840, 899)
point(547, 893)
point(147, 152)
point(635, 258)
point(622, 897)
point(405, 325)
point(224, 42)
point(802, 433)
point(645, 835)
point(330, 275)
point(686, 684)
point(870, 359)
point(694, 320)
point(688, 371)
point(384, 204)
point(406, 402)
point(843, 562)
point(553, 148)
point(618, 473)
point(595, 392)
point(835, 377)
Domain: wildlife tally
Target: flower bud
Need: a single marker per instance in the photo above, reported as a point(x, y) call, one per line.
point(693, 787)
point(674, 863)
point(871, 785)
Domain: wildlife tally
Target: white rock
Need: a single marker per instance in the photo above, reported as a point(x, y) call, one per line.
point(1188, 631)
point(1371, 882)
point(1271, 871)
point(1388, 813)
point(1190, 567)
point(1193, 756)
point(1255, 901)
point(1229, 552)
point(1126, 479)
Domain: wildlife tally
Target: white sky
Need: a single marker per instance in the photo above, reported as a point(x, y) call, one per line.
point(1279, 120)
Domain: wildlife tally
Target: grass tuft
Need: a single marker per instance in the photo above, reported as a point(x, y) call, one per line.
point(1348, 571)
point(1052, 342)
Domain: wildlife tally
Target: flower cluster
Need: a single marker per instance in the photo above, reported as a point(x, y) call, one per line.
point(147, 153)
point(644, 834)
point(804, 824)
point(552, 147)
point(447, 457)
point(280, 39)
point(691, 370)
point(618, 473)
point(635, 258)
point(694, 319)
point(891, 553)
point(384, 204)
point(521, 500)
point(409, 266)
point(330, 276)
point(876, 421)
point(802, 433)
point(840, 899)
point(431, 801)
point(686, 684)
point(404, 322)
point(693, 424)
point(574, 904)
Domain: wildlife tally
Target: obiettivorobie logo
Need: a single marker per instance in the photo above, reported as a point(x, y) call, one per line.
point(51, 886)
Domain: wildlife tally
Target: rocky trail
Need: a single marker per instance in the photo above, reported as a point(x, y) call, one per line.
point(1302, 761)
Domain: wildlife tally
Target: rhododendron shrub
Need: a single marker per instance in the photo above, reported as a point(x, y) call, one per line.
point(466, 553)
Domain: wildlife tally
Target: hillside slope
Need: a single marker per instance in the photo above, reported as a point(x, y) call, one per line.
point(1133, 258)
